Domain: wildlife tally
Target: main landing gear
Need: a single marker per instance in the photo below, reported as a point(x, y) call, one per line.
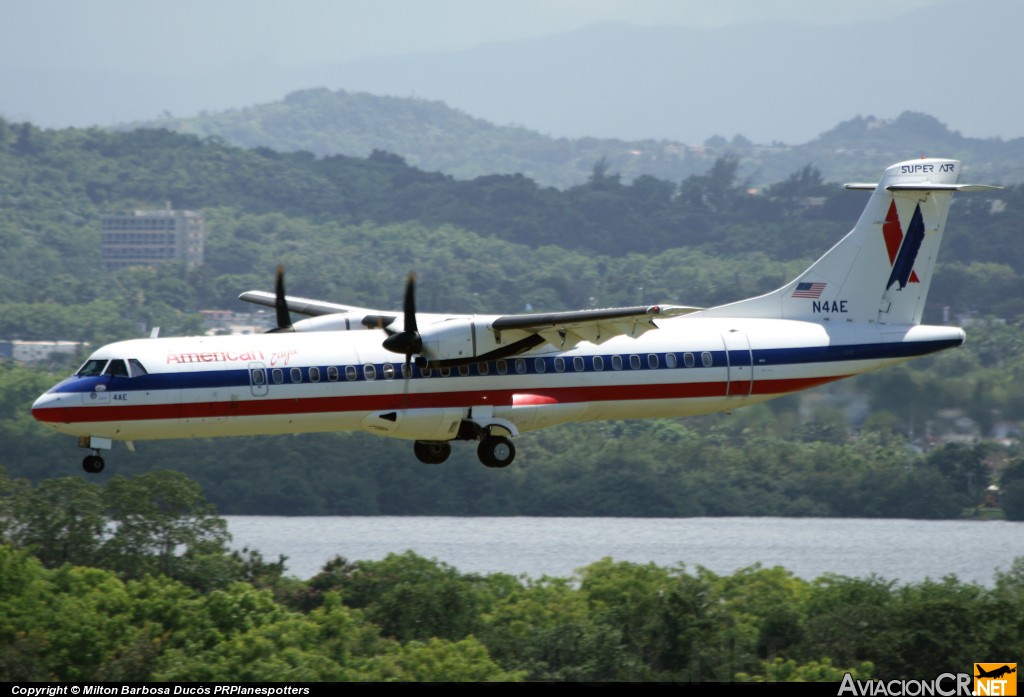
point(493, 451)
point(496, 451)
point(432, 452)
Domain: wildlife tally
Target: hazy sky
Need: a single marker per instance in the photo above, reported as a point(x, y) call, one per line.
point(133, 36)
point(108, 62)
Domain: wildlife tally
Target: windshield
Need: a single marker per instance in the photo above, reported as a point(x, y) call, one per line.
point(92, 367)
point(115, 368)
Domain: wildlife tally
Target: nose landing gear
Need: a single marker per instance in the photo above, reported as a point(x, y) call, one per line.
point(93, 464)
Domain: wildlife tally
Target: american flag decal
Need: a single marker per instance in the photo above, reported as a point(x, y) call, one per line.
point(809, 290)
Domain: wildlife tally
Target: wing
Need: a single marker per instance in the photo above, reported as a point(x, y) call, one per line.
point(565, 330)
point(450, 340)
point(318, 308)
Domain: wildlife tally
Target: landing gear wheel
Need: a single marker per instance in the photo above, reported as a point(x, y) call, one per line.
point(431, 452)
point(93, 464)
point(496, 451)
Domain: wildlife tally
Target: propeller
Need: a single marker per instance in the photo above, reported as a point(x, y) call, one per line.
point(407, 341)
point(284, 320)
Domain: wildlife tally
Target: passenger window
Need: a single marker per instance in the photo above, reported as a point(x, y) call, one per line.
point(598, 362)
point(296, 375)
point(464, 371)
point(688, 360)
point(559, 365)
point(258, 376)
point(520, 366)
point(136, 368)
point(278, 376)
point(426, 371)
point(501, 367)
point(539, 365)
point(670, 360)
point(314, 375)
point(705, 359)
point(446, 371)
point(350, 372)
point(332, 373)
point(483, 368)
point(652, 360)
point(578, 364)
point(370, 371)
point(634, 361)
point(389, 371)
point(406, 370)
point(616, 362)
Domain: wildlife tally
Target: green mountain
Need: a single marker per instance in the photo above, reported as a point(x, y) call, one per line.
point(434, 137)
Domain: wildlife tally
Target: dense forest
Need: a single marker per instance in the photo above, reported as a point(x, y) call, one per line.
point(142, 566)
point(349, 228)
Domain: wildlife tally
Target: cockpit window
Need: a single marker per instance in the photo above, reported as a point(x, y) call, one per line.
point(117, 368)
point(136, 367)
point(92, 367)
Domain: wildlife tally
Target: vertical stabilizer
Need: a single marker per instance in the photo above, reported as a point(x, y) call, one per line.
point(881, 271)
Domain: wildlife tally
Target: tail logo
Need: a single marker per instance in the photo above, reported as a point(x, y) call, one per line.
point(902, 248)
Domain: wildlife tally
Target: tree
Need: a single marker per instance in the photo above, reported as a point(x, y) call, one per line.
point(162, 523)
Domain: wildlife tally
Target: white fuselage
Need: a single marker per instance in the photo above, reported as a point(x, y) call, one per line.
point(345, 381)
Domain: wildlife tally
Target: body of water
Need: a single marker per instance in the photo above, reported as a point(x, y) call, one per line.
point(903, 550)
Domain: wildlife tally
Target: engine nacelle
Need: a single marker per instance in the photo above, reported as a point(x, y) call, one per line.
point(458, 339)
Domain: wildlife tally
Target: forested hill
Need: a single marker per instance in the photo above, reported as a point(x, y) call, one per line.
point(435, 137)
point(54, 185)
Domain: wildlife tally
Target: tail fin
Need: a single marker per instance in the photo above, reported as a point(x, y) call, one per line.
point(881, 271)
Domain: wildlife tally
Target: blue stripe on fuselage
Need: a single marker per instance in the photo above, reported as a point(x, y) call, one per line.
point(240, 377)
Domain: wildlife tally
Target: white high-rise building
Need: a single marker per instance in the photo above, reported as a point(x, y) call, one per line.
point(152, 238)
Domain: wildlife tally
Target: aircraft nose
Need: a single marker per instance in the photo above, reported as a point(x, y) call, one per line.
point(44, 408)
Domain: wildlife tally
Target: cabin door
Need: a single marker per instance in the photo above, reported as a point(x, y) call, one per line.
point(740, 360)
point(258, 379)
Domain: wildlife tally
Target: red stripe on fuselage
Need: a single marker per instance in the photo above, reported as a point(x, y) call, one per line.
point(313, 405)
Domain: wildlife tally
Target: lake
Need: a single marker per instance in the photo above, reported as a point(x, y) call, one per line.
point(904, 550)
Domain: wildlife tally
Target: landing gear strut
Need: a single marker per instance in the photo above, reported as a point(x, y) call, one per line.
point(93, 464)
point(431, 452)
point(496, 451)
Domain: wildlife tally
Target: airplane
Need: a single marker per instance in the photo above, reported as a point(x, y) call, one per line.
point(996, 672)
point(434, 379)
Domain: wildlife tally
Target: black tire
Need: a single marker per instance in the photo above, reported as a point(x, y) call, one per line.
point(496, 451)
point(431, 452)
point(93, 464)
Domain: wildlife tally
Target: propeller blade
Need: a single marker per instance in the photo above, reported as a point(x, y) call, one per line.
point(410, 303)
point(407, 341)
point(280, 304)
